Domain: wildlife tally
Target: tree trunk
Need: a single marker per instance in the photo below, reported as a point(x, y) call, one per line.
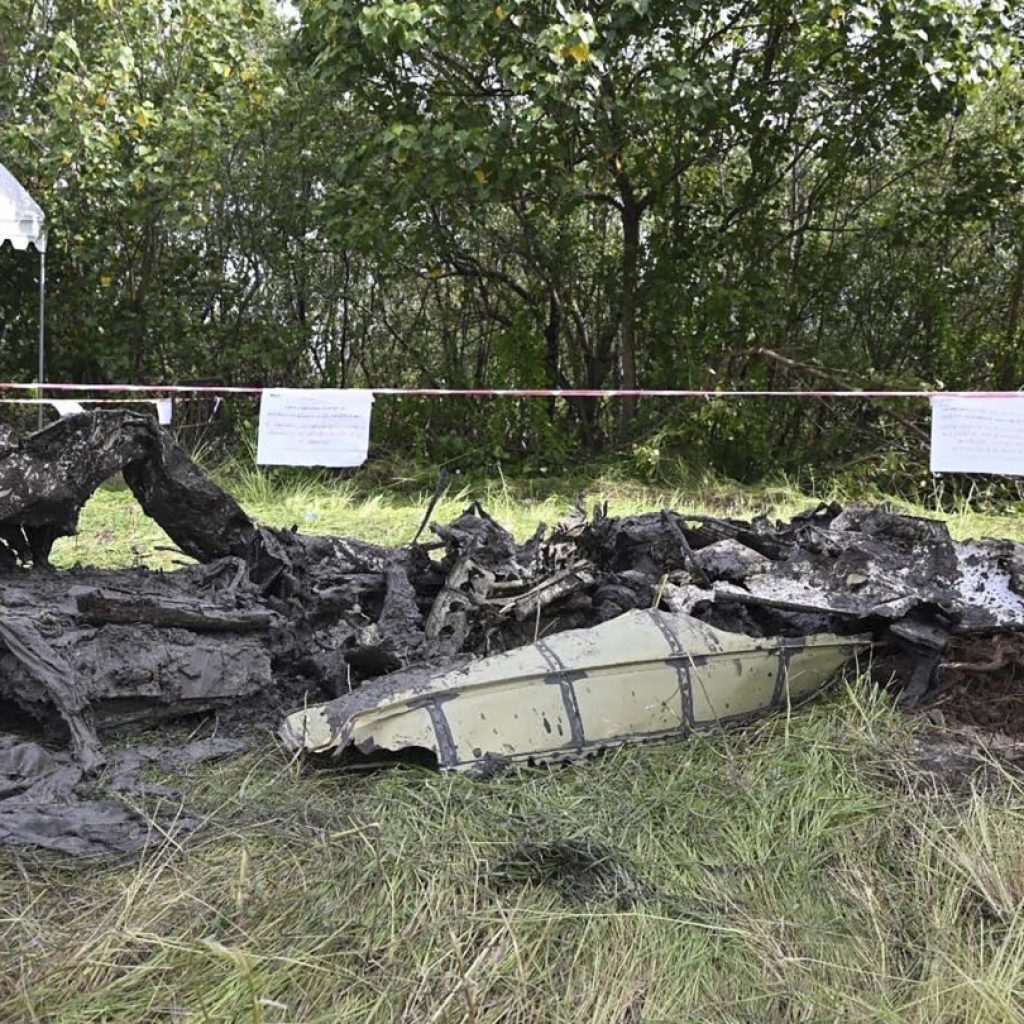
point(631, 215)
point(1005, 362)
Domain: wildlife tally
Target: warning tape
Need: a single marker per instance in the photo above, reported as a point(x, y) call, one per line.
point(201, 389)
point(131, 389)
point(90, 401)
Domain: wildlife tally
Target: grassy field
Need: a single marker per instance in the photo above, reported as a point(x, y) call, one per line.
point(801, 870)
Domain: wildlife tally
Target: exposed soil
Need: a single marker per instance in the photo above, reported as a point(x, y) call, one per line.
point(983, 686)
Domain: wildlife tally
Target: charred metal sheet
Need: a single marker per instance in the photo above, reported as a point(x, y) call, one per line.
point(644, 675)
point(42, 802)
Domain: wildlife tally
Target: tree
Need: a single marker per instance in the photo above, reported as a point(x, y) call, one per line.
point(144, 129)
point(616, 102)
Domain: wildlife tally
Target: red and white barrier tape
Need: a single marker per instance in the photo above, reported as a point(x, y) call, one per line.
point(199, 389)
point(90, 401)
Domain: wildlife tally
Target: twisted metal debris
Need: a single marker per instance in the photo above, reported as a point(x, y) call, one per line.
point(472, 621)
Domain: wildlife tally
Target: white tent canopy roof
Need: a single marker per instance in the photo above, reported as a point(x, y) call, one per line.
point(21, 219)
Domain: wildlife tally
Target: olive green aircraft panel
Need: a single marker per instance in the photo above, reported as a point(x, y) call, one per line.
point(399, 728)
point(392, 726)
point(309, 730)
point(642, 675)
point(738, 684)
point(806, 668)
point(639, 700)
point(520, 663)
point(504, 719)
point(746, 683)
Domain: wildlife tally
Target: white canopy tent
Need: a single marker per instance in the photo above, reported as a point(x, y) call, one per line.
point(22, 224)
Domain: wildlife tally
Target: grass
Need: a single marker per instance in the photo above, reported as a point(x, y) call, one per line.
point(796, 871)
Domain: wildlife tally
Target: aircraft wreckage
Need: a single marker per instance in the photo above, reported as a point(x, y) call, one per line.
point(644, 675)
point(471, 650)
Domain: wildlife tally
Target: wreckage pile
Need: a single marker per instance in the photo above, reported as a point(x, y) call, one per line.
point(270, 620)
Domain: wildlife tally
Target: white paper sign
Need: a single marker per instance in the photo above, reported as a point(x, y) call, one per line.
point(309, 427)
point(164, 411)
point(66, 407)
point(978, 435)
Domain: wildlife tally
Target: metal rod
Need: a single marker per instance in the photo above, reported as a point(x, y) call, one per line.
point(42, 327)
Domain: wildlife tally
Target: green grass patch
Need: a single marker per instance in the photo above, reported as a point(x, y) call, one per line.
point(795, 871)
point(388, 509)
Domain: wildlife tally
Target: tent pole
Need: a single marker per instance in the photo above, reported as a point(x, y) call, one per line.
point(42, 328)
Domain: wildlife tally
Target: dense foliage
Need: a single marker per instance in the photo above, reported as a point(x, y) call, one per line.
point(758, 193)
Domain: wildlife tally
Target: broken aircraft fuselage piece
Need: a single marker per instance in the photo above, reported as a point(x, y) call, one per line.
point(645, 675)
